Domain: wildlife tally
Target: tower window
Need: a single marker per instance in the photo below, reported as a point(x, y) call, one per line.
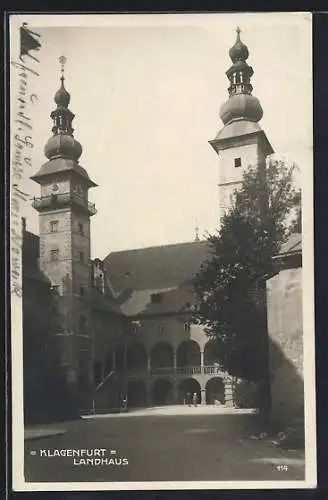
point(54, 226)
point(54, 254)
point(237, 162)
point(134, 329)
point(81, 256)
point(187, 327)
point(81, 228)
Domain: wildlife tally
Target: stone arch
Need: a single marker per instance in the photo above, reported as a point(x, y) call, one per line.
point(136, 356)
point(215, 390)
point(188, 385)
point(162, 392)
point(211, 352)
point(188, 354)
point(161, 355)
point(137, 393)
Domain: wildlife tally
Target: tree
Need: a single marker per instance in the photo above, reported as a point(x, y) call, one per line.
point(229, 286)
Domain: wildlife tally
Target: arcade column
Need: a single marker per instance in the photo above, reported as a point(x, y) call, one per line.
point(228, 393)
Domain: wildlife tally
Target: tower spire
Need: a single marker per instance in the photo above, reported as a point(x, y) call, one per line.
point(62, 61)
point(241, 104)
point(62, 143)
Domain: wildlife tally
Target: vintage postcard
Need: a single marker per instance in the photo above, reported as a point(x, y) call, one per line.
point(162, 291)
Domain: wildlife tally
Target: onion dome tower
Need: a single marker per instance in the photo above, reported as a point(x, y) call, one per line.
point(241, 142)
point(64, 229)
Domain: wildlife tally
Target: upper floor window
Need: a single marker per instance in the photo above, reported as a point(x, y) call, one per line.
point(156, 298)
point(81, 228)
point(54, 226)
point(81, 256)
point(237, 162)
point(54, 254)
point(160, 328)
point(134, 329)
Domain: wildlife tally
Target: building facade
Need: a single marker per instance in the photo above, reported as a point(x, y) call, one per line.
point(125, 328)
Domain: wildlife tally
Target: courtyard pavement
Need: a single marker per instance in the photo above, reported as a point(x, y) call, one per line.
point(160, 444)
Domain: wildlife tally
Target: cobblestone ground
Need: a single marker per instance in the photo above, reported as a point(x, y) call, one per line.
point(160, 445)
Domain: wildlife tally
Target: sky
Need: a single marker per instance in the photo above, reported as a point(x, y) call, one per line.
point(146, 92)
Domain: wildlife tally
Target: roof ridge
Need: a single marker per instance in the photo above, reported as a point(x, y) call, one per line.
point(157, 246)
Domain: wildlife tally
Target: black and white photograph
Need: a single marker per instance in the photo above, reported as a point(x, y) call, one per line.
point(161, 225)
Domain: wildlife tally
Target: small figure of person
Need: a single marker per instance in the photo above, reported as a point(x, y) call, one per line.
point(124, 403)
point(188, 398)
point(194, 399)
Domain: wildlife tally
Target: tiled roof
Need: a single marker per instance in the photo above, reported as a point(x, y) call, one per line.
point(172, 300)
point(167, 271)
point(155, 268)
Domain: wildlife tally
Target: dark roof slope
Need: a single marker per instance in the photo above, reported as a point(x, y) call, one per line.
point(62, 165)
point(155, 268)
point(292, 245)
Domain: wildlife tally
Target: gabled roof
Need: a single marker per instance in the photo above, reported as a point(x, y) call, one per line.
point(155, 268)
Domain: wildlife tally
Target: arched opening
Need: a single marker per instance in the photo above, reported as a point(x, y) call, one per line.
point(109, 362)
point(162, 392)
point(187, 388)
point(188, 354)
point(97, 372)
point(215, 391)
point(211, 353)
point(137, 393)
point(161, 355)
point(136, 356)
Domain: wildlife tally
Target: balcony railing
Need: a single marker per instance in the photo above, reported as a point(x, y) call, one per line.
point(180, 371)
point(57, 200)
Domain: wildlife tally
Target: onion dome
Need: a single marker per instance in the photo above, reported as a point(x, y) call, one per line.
point(62, 97)
point(241, 105)
point(63, 146)
point(239, 52)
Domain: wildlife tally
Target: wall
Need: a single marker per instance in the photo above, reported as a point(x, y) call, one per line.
point(284, 308)
point(170, 329)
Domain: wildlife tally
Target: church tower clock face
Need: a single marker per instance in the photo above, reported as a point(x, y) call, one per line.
point(55, 187)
